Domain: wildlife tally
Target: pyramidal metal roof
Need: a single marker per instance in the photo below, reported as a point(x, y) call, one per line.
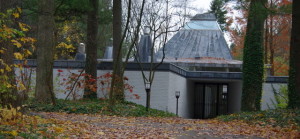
point(199, 38)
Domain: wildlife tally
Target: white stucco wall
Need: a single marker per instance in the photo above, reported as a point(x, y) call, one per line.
point(234, 96)
point(62, 88)
point(162, 92)
point(159, 89)
point(185, 101)
point(268, 98)
point(59, 86)
point(27, 72)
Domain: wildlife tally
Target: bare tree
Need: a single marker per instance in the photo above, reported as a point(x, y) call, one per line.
point(158, 18)
point(134, 18)
point(117, 90)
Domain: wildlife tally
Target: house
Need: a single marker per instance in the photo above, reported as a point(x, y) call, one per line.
point(197, 63)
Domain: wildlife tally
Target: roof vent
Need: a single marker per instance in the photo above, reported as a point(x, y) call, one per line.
point(198, 58)
point(204, 17)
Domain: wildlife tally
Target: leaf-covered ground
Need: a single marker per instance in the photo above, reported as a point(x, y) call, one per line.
point(93, 119)
point(63, 125)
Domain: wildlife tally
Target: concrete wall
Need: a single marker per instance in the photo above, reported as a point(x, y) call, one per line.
point(185, 101)
point(234, 96)
point(62, 88)
point(163, 90)
point(27, 73)
point(268, 98)
point(159, 89)
point(60, 77)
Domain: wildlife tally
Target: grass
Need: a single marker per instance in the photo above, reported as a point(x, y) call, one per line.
point(277, 117)
point(98, 107)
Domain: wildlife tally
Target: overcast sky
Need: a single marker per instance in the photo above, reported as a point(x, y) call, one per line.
point(201, 6)
point(194, 6)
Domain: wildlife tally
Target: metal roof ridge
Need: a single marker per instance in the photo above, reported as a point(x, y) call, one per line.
point(203, 29)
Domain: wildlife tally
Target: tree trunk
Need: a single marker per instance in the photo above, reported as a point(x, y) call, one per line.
point(90, 90)
point(294, 73)
point(271, 44)
point(117, 91)
point(253, 57)
point(45, 45)
point(266, 42)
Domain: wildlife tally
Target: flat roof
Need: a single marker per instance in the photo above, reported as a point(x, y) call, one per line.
point(170, 67)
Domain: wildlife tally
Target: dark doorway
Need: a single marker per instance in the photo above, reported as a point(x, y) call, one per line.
point(210, 100)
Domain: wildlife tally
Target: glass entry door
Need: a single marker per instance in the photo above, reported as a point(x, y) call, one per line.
point(210, 100)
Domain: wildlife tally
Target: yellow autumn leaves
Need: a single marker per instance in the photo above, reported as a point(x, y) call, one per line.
point(13, 133)
point(15, 36)
point(18, 55)
point(14, 45)
point(69, 35)
point(17, 12)
point(23, 27)
point(64, 50)
point(9, 114)
point(23, 124)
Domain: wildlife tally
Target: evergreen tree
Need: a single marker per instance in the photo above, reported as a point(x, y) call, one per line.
point(253, 57)
point(294, 73)
point(217, 7)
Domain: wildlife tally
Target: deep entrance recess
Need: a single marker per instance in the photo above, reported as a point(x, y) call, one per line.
point(211, 100)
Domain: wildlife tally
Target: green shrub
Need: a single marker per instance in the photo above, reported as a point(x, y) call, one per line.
point(278, 117)
point(98, 106)
point(281, 96)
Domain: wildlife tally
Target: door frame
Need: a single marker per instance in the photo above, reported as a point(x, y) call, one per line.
point(203, 106)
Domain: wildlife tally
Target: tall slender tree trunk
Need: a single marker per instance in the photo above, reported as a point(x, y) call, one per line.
point(117, 91)
point(294, 72)
point(253, 57)
point(266, 42)
point(90, 90)
point(271, 42)
point(45, 45)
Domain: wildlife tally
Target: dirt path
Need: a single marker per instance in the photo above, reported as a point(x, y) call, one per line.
point(99, 126)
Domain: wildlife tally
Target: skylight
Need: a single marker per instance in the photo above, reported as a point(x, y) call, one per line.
point(202, 25)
